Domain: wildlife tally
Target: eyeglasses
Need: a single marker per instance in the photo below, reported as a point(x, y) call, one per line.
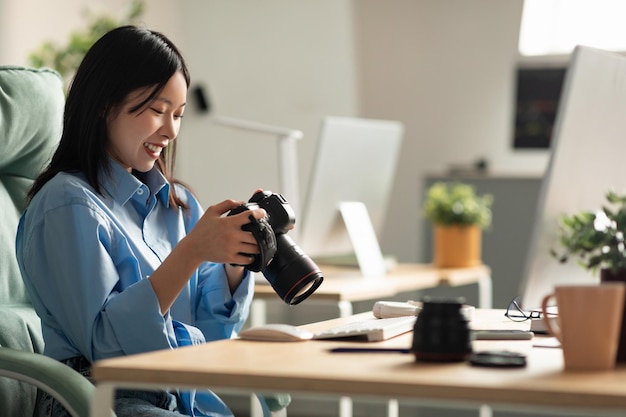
point(514, 312)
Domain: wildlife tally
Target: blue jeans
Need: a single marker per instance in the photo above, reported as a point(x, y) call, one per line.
point(128, 403)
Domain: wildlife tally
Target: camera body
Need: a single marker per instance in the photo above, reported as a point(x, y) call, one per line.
point(293, 275)
point(280, 214)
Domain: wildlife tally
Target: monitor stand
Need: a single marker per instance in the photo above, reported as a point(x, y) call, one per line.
point(364, 242)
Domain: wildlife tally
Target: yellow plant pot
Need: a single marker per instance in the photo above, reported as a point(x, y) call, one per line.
point(457, 246)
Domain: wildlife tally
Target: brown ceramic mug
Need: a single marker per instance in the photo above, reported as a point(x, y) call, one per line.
point(588, 324)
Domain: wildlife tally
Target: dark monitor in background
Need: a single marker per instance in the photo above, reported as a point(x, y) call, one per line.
point(345, 206)
point(587, 160)
point(537, 94)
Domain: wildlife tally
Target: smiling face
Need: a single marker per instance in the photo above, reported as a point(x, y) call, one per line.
point(136, 139)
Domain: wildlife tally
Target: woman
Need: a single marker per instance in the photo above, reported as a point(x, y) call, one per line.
point(117, 256)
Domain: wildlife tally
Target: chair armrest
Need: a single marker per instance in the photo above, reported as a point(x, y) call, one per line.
point(274, 405)
point(75, 391)
point(66, 385)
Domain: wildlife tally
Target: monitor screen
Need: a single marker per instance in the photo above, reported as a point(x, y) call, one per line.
point(586, 161)
point(355, 162)
point(538, 90)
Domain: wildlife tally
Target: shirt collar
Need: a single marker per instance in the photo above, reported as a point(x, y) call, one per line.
point(122, 185)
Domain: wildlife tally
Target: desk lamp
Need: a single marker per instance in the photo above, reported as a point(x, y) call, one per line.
point(287, 149)
point(287, 154)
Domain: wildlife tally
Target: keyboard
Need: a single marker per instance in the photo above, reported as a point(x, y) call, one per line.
point(372, 330)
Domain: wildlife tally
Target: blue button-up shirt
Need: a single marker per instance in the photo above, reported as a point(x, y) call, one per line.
point(85, 258)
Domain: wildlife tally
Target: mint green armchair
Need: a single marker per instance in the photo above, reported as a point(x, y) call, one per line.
point(31, 115)
point(68, 386)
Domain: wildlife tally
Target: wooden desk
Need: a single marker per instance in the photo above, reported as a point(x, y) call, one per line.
point(309, 367)
point(344, 285)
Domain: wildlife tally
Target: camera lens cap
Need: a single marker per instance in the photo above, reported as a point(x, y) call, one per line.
point(498, 359)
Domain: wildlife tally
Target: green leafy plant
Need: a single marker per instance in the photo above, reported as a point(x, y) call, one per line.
point(66, 58)
point(595, 239)
point(457, 204)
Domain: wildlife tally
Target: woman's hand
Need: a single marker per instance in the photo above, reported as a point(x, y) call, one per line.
point(215, 238)
point(224, 240)
point(219, 238)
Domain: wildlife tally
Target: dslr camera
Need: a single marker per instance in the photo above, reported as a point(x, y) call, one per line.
point(292, 274)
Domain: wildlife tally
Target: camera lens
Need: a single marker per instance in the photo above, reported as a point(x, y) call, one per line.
point(292, 274)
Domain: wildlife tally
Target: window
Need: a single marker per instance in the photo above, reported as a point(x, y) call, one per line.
point(552, 27)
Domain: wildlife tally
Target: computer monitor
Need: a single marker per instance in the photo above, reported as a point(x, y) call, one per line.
point(586, 161)
point(346, 201)
point(538, 90)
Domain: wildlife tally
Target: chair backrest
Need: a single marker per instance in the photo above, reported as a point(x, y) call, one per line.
point(31, 118)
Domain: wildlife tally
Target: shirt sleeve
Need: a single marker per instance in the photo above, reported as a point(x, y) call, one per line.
point(68, 262)
point(219, 314)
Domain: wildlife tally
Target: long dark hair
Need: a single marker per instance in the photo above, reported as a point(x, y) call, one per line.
point(123, 60)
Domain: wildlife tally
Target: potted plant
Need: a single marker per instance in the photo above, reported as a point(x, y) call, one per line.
point(459, 216)
point(596, 241)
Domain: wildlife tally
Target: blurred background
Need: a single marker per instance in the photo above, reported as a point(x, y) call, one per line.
point(446, 69)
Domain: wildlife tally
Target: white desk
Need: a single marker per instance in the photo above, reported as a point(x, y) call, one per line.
point(309, 367)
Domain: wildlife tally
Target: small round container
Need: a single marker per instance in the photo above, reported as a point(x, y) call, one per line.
point(441, 332)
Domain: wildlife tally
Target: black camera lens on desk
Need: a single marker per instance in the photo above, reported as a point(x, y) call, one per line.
point(292, 274)
point(441, 332)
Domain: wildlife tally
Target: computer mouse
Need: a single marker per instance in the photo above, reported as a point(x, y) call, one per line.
point(276, 332)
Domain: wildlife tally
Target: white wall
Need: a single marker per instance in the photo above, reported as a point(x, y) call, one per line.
point(280, 62)
point(444, 68)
